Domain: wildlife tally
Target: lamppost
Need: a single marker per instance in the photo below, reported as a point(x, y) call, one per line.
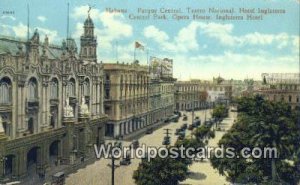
point(113, 166)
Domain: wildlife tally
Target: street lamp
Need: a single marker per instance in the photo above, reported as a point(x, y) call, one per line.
point(113, 166)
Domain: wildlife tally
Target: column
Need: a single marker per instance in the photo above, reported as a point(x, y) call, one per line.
point(121, 129)
point(94, 99)
point(116, 129)
point(129, 126)
point(22, 162)
point(125, 128)
point(98, 98)
point(101, 98)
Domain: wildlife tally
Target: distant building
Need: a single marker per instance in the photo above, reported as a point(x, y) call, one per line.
point(281, 87)
point(189, 95)
point(199, 94)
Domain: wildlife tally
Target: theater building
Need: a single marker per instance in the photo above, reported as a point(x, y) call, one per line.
point(51, 102)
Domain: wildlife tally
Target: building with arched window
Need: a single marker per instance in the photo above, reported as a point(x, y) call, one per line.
point(281, 87)
point(42, 87)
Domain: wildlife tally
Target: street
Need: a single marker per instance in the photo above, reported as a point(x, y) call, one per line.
point(201, 172)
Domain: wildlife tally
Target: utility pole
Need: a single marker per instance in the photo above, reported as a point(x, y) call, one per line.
point(167, 131)
point(113, 167)
point(167, 136)
point(112, 170)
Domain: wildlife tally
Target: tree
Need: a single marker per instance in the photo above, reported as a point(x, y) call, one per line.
point(167, 171)
point(203, 132)
point(219, 112)
point(262, 124)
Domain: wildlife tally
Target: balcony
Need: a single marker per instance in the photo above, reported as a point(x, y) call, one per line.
point(32, 104)
point(5, 106)
point(107, 98)
point(54, 101)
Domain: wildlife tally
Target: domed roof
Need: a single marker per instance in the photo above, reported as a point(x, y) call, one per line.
point(88, 21)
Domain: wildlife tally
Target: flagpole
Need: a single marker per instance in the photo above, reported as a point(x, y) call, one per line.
point(117, 57)
point(134, 53)
point(147, 56)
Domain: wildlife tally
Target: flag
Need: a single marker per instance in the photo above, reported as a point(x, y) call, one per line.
point(139, 46)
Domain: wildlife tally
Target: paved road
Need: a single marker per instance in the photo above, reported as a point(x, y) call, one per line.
point(100, 172)
point(202, 173)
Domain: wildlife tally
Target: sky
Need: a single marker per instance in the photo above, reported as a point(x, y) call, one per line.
point(202, 49)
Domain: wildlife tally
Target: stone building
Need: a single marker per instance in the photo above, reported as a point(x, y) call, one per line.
point(281, 87)
point(161, 99)
point(199, 94)
point(126, 98)
point(51, 103)
point(133, 101)
point(189, 95)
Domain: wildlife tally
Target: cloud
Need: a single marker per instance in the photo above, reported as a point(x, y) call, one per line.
point(52, 34)
point(41, 18)
point(221, 32)
point(108, 27)
point(20, 31)
point(232, 65)
point(186, 39)
point(8, 17)
point(113, 25)
point(156, 34)
point(183, 42)
point(296, 45)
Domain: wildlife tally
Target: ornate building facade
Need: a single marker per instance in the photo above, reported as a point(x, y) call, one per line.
point(51, 103)
point(126, 98)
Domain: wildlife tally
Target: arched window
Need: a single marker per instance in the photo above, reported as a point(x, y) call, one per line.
point(86, 87)
point(32, 89)
point(71, 87)
point(290, 98)
point(54, 88)
point(5, 91)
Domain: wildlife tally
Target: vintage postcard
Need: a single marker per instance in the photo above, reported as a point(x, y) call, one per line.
point(149, 92)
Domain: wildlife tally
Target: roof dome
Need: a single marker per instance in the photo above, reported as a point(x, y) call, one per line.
point(88, 21)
